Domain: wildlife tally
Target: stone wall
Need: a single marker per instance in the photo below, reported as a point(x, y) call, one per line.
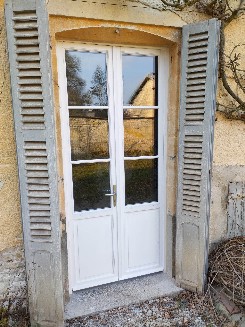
point(12, 274)
point(12, 268)
point(229, 145)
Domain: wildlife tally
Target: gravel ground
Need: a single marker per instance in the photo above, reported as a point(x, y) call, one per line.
point(187, 309)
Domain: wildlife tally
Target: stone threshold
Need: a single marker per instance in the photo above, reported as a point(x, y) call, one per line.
point(122, 293)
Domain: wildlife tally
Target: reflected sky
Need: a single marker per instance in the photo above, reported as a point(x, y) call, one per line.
point(86, 78)
point(89, 61)
point(135, 70)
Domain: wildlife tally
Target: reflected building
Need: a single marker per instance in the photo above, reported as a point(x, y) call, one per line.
point(145, 94)
point(140, 125)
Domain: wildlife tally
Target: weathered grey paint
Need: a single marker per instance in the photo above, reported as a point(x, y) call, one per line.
point(29, 56)
point(197, 108)
point(236, 209)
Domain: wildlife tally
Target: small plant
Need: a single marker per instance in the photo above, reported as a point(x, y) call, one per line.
point(3, 317)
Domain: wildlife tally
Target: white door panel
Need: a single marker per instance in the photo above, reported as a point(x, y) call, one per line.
point(95, 250)
point(143, 239)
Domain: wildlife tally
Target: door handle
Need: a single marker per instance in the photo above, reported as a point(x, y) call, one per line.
point(114, 194)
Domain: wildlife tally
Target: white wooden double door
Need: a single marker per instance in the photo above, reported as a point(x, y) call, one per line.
point(113, 103)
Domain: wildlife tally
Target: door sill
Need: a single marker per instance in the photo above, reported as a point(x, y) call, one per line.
point(122, 293)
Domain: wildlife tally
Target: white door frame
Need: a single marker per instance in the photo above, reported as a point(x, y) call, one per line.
point(163, 76)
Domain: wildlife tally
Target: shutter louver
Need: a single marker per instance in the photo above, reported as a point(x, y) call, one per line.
point(38, 191)
point(31, 82)
point(192, 174)
point(29, 70)
point(197, 108)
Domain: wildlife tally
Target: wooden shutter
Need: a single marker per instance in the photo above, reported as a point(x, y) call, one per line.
point(236, 209)
point(31, 83)
point(197, 108)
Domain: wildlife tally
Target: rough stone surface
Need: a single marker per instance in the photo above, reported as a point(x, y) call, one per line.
point(12, 276)
point(229, 146)
point(120, 294)
point(148, 314)
point(186, 309)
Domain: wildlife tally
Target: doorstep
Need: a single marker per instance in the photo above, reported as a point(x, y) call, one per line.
point(122, 293)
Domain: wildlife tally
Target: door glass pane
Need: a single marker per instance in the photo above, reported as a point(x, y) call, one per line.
point(140, 132)
point(90, 183)
point(89, 134)
point(141, 183)
point(139, 80)
point(86, 75)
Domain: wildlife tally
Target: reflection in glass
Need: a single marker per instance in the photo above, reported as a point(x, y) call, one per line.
point(139, 80)
point(141, 183)
point(140, 132)
point(89, 134)
point(86, 75)
point(90, 183)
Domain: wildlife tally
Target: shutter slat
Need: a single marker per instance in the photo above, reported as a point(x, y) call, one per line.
point(196, 57)
point(192, 192)
point(198, 50)
point(195, 93)
point(198, 44)
point(197, 107)
point(42, 226)
point(29, 65)
point(196, 76)
point(197, 62)
point(44, 213)
point(195, 99)
point(196, 69)
point(27, 50)
point(26, 42)
point(30, 25)
point(25, 34)
point(30, 104)
point(29, 80)
point(29, 73)
point(196, 82)
point(38, 194)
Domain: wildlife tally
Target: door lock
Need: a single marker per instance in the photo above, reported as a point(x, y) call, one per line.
point(114, 194)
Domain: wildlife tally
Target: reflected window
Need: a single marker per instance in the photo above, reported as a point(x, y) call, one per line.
point(139, 80)
point(86, 74)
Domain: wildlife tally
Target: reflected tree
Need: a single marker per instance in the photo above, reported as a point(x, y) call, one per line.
point(75, 83)
point(98, 90)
